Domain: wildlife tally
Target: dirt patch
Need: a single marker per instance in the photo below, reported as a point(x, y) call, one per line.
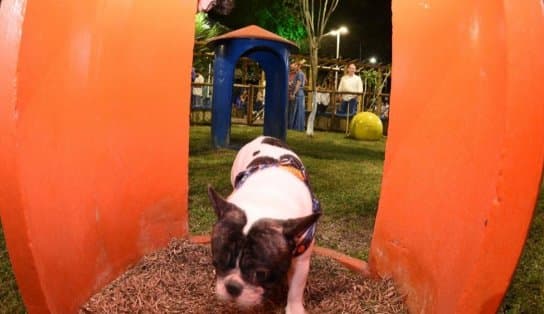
point(180, 279)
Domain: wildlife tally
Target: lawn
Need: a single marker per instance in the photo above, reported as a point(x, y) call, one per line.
point(346, 176)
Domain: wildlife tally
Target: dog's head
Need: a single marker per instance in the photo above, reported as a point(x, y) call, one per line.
point(249, 265)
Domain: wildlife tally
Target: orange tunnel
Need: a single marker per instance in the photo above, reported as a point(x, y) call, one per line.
point(465, 150)
point(94, 127)
point(94, 121)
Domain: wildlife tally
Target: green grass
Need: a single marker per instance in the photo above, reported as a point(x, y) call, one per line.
point(337, 167)
point(526, 293)
point(10, 300)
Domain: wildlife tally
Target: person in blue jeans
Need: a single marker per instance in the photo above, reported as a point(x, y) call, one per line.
point(296, 109)
point(350, 83)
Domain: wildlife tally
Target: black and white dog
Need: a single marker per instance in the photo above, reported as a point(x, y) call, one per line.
point(265, 228)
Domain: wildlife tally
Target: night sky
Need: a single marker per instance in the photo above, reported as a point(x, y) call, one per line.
point(368, 21)
point(369, 24)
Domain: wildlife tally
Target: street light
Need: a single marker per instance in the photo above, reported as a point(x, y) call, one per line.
point(337, 33)
point(372, 60)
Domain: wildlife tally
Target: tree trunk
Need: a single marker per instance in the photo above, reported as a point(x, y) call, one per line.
point(314, 47)
point(365, 87)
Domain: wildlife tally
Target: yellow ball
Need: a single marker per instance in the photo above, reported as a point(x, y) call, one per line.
point(366, 126)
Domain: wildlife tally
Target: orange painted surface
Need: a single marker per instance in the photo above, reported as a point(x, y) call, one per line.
point(465, 150)
point(93, 139)
point(94, 145)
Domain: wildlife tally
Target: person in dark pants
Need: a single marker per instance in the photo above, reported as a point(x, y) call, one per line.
point(385, 114)
point(297, 112)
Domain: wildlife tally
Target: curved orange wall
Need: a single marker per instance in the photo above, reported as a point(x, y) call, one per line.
point(94, 106)
point(94, 144)
point(465, 150)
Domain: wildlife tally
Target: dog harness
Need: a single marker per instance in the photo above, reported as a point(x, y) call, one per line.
point(291, 164)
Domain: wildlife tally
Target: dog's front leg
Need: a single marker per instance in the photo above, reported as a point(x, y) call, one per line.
point(298, 275)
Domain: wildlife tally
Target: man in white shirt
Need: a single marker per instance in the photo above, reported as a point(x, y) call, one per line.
point(350, 83)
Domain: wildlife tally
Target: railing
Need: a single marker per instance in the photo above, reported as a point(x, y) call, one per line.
point(206, 102)
point(372, 102)
point(335, 98)
point(245, 113)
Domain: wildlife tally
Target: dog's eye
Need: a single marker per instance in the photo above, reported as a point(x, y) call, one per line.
point(227, 261)
point(231, 260)
point(224, 263)
point(261, 275)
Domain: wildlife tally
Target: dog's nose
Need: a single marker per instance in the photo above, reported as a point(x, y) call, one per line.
point(234, 288)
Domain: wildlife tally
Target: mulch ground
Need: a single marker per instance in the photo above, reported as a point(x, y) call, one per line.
point(180, 279)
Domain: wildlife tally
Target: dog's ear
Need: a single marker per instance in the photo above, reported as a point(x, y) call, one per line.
point(221, 206)
point(295, 228)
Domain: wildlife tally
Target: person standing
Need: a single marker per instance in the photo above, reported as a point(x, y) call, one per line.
point(350, 83)
point(297, 112)
point(240, 104)
point(259, 101)
point(197, 90)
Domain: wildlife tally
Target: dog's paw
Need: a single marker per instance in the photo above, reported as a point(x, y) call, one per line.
point(295, 308)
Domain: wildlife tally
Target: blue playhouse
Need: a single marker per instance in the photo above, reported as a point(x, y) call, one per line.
point(272, 53)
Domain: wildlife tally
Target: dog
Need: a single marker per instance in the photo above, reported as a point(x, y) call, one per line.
point(264, 233)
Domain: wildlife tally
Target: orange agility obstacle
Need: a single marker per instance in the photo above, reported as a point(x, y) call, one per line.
point(465, 151)
point(94, 145)
point(94, 138)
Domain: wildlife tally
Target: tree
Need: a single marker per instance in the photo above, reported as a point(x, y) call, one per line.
point(315, 15)
point(205, 29)
point(374, 81)
point(280, 17)
point(284, 21)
